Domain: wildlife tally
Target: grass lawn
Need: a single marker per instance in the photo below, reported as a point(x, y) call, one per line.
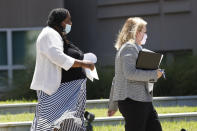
point(18, 101)
point(167, 126)
point(16, 117)
point(160, 110)
point(97, 112)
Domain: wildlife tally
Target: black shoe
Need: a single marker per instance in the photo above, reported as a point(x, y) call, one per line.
point(183, 129)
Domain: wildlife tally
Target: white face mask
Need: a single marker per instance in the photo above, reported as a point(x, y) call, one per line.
point(143, 42)
point(68, 28)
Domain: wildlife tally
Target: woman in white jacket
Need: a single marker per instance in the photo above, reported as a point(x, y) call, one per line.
point(59, 77)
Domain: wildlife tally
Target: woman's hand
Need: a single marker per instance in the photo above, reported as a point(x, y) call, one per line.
point(110, 113)
point(88, 65)
point(83, 64)
point(159, 73)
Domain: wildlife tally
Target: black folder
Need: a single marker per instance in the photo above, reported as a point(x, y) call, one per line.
point(148, 60)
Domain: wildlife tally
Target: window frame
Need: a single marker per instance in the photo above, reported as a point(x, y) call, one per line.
point(10, 67)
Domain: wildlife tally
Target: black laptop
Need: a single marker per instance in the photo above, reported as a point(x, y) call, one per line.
point(148, 60)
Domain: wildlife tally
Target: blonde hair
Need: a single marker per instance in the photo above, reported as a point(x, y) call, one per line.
point(129, 29)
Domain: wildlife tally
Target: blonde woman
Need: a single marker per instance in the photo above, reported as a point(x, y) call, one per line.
point(131, 88)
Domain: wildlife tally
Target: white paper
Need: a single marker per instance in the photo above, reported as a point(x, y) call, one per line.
point(144, 49)
point(90, 57)
point(89, 73)
point(150, 87)
point(161, 59)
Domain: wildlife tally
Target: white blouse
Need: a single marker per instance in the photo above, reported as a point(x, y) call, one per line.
point(50, 58)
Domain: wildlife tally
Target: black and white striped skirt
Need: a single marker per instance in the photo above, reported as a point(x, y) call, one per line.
point(64, 110)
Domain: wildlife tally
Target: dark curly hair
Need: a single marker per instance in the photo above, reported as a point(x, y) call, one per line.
point(56, 16)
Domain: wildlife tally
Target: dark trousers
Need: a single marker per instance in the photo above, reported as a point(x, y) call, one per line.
point(139, 116)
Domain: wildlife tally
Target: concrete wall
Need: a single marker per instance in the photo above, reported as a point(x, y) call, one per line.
point(96, 23)
point(26, 13)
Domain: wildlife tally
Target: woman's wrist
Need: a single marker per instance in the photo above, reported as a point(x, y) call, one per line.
point(83, 64)
point(78, 63)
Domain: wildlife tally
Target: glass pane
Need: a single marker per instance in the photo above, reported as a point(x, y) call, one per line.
point(18, 74)
point(181, 55)
point(23, 45)
point(18, 47)
point(31, 37)
point(3, 80)
point(3, 48)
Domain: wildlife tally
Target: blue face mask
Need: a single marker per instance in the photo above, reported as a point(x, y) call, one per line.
point(68, 28)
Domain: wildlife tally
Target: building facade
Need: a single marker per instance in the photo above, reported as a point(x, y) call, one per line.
point(96, 23)
point(20, 24)
point(171, 24)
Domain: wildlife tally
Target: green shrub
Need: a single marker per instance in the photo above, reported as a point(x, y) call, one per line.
point(100, 88)
point(181, 78)
point(20, 86)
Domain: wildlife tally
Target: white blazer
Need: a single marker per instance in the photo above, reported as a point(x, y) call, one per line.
point(50, 58)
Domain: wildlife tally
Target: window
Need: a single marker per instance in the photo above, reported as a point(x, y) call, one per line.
point(23, 45)
point(176, 55)
point(3, 49)
point(16, 46)
point(3, 79)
